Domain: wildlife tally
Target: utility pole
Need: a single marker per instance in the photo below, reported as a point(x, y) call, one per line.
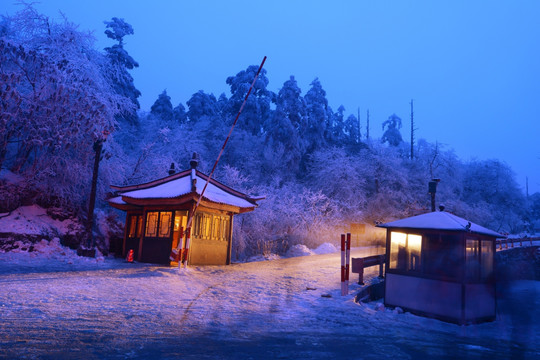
point(367, 126)
point(412, 131)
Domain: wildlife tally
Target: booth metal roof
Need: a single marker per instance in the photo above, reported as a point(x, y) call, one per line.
point(439, 220)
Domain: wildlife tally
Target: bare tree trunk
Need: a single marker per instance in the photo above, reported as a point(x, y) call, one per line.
point(98, 147)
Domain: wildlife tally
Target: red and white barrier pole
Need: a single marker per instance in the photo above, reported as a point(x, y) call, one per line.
point(343, 293)
point(347, 261)
point(185, 251)
point(192, 214)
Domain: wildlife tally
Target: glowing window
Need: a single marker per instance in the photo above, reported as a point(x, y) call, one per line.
point(158, 224)
point(414, 246)
point(133, 226)
point(151, 224)
point(472, 259)
point(486, 259)
point(405, 251)
point(165, 224)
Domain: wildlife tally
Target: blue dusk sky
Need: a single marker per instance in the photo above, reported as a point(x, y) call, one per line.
point(472, 67)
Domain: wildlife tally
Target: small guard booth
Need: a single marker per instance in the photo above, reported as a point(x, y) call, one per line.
point(157, 214)
point(442, 266)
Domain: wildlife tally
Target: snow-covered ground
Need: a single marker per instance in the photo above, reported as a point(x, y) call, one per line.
point(55, 305)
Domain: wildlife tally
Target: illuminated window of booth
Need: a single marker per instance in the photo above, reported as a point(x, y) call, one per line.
point(151, 224)
point(139, 226)
point(177, 222)
point(207, 226)
point(414, 247)
point(486, 259)
point(197, 225)
point(133, 226)
point(405, 251)
point(398, 256)
point(215, 227)
point(224, 230)
point(165, 224)
point(472, 259)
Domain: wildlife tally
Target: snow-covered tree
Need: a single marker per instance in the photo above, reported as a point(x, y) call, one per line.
point(392, 135)
point(289, 99)
point(120, 63)
point(257, 109)
point(337, 134)
point(286, 125)
point(352, 129)
point(492, 184)
point(58, 103)
point(179, 114)
point(317, 116)
point(162, 107)
point(202, 105)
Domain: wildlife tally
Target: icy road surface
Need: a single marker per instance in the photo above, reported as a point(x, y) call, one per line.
point(78, 308)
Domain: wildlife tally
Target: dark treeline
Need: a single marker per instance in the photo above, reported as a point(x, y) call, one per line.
point(59, 97)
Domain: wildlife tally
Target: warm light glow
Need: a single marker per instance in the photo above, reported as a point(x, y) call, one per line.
point(177, 223)
point(415, 242)
point(398, 238)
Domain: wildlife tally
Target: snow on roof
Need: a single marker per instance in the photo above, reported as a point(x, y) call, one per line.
point(439, 221)
point(182, 186)
point(117, 200)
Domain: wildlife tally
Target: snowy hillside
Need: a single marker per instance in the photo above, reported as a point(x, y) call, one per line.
point(34, 220)
point(61, 306)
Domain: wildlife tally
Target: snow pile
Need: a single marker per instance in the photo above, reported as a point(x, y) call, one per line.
point(295, 251)
point(299, 250)
point(264, 257)
point(48, 254)
point(50, 248)
point(34, 220)
point(325, 248)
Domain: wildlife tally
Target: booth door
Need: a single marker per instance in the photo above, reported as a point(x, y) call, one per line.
point(157, 237)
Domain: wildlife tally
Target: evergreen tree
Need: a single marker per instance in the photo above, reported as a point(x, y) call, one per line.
point(257, 111)
point(317, 116)
point(202, 105)
point(179, 114)
point(392, 134)
point(120, 63)
point(162, 107)
point(222, 104)
point(352, 129)
point(289, 99)
point(288, 123)
point(337, 130)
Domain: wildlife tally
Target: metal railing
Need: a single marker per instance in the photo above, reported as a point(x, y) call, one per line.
point(503, 244)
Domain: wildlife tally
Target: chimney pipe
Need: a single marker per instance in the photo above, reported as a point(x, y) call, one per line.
point(194, 162)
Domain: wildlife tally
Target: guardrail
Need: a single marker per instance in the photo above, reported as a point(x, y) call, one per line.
point(513, 242)
point(359, 264)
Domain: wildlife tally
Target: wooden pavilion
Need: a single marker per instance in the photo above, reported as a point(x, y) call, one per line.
point(442, 266)
point(157, 213)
